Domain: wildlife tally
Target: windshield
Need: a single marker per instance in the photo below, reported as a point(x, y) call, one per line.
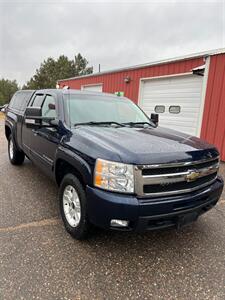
point(91, 108)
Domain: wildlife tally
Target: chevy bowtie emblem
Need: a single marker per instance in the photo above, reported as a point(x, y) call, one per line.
point(192, 176)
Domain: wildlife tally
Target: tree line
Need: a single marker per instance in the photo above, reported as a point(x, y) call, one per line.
point(46, 75)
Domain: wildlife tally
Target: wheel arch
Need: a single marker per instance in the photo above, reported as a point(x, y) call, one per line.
point(8, 131)
point(68, 162)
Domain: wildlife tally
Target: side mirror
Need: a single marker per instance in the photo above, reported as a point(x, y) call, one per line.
point(51, 106)
point(3, 108)
point(155, 119)
point(33, 116)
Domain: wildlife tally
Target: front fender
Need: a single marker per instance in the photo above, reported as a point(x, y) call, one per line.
point(76, 161)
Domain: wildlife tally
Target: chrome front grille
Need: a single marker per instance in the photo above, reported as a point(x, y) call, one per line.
point(174, 179)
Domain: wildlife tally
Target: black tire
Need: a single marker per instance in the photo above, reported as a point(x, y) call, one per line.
point(16, 157)
point(81, 230)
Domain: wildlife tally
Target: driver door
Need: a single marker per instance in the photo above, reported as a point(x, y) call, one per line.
point(46, 138)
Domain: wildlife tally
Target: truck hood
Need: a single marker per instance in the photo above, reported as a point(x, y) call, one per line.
point(140, 145)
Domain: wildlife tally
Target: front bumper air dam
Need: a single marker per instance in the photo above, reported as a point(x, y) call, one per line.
point(150, 213)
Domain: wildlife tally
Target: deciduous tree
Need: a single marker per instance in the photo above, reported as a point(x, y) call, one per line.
point(7, 89)
point(52, 70)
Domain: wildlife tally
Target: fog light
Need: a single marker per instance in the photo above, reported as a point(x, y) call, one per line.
point(119, 223)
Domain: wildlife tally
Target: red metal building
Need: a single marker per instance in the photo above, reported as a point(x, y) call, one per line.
point(188, 92)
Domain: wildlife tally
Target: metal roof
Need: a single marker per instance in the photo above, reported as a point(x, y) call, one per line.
point(184, 57)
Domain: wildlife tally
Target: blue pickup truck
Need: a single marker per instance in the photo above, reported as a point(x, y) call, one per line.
point(115, 167)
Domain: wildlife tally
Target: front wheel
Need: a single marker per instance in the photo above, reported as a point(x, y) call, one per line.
point(73, 207)
point(16, 157)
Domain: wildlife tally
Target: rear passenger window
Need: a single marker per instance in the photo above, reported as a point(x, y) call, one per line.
point(16, 102)
point(38, 100)
point(20, 100)
point(12, 101)
point(26, 98)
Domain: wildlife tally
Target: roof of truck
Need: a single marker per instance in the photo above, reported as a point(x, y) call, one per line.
point(76, 92)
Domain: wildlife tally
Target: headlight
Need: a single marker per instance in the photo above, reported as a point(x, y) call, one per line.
point(114, 176)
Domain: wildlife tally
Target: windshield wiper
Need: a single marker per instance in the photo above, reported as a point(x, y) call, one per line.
point(93, 123)
point(135, 124)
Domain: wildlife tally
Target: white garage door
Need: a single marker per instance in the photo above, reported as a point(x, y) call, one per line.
point(92, 87)
point(176, 99)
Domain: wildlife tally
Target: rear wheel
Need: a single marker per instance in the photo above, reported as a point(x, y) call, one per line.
point(73, 207)
point(16, 157)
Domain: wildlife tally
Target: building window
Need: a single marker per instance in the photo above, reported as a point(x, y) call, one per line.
point(174, 109)
point(159, 109)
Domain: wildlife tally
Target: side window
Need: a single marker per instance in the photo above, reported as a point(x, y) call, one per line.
point(48, 108)
point(38, 99)
point(26, 98)
point(16, 101)
point(12, 101)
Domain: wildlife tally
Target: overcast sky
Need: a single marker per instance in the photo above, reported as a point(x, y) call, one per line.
point(112, 33)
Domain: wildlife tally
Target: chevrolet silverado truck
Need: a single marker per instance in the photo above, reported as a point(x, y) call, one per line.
point(115, 168)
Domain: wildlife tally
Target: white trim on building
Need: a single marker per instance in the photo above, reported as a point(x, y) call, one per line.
point(95, 87)
point(178, 92)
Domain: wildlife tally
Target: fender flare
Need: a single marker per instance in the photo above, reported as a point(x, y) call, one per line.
point(10, 122)
point(75, 161)
point(13, 131)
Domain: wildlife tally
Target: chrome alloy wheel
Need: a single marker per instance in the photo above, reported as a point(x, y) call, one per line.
point(71, 206)
point(11, 153)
